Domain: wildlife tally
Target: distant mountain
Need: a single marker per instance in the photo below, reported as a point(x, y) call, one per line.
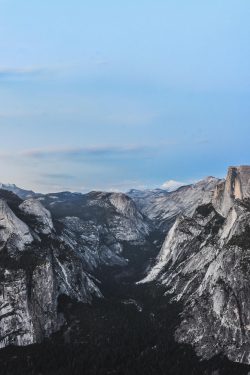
point(22, 193)
point(162, 207)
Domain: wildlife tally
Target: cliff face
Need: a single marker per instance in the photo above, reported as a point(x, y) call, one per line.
point(236, 186)
point(36, 267)
point(44, 256)
point(205, 263)
point(162, 208)
point(28, 304)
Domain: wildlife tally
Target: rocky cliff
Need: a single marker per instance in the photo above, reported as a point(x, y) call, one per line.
point(163, 207)
point(236, 186)
point(205, 263)
point(44, 255)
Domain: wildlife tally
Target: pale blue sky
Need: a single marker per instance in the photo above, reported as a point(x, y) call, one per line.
point(112, 95)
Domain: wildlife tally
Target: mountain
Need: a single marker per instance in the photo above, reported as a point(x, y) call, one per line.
point(36, 267)
point(236, 186)
point(204, 263)
point(22, 193)
point(45, 254)
point(150, 282)
point(162, 207)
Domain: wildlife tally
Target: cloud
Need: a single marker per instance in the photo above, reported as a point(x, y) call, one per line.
point(58, 176)
point(21, 114)
point(103, 151)
point(172, 185)
point(125, 186)
point(132, 118)
point(202, 141)
point(7, 73)
point(59, 71)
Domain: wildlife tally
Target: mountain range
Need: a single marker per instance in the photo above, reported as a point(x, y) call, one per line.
point(74, 266)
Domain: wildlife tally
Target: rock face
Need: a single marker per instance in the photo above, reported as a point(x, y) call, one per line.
point(113, 214)
point(28, 304)
point(162, 207)
point(44, 255)
point(34, 271)
point(236, 186)
point(15, 234)
point(41, 216)
point(205, 263)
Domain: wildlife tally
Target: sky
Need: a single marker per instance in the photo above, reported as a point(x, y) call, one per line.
point(110, 95)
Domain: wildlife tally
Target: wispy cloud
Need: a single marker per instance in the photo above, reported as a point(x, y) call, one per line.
point(59, 71)
point(21, 73)
point(58, 176)
point(91, 151)
point(132, 118)
point(101, 151)
point(125, 186)
point(21, 114)
point(202, 141)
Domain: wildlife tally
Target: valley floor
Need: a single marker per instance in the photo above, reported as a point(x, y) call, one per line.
point(130, 332)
